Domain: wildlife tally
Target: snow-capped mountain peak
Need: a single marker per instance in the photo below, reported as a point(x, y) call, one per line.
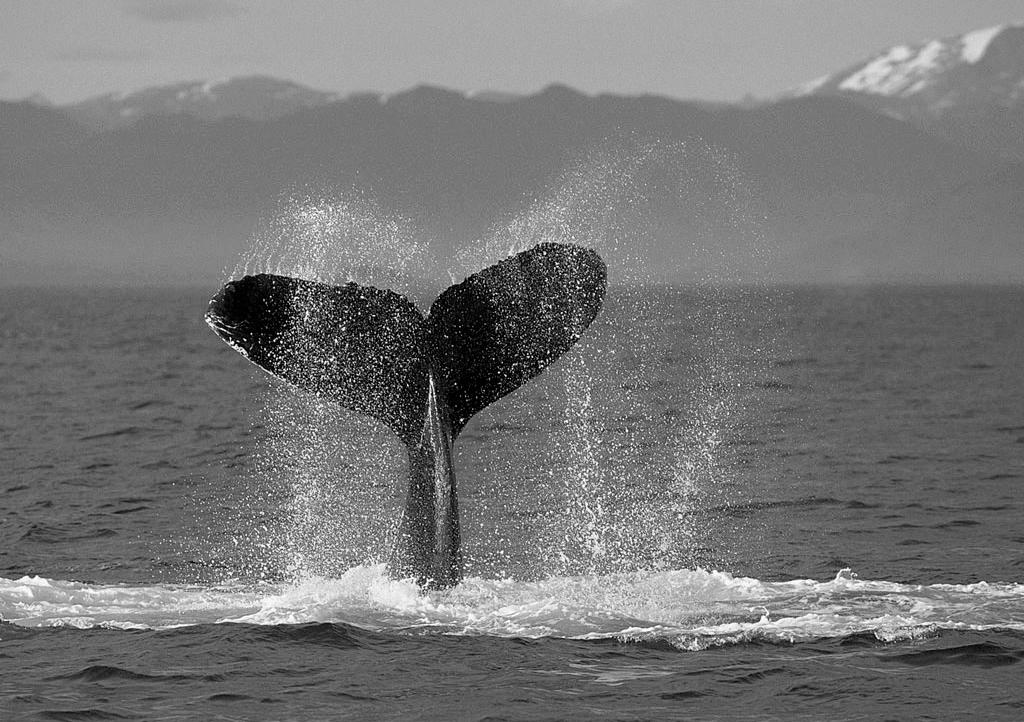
point(974, 67)
point(967, 88)
point(905, 70)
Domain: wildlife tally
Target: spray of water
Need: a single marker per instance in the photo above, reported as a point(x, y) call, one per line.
point(335, 237)
point(325, 484)
point(606, 463)
point(635, 427)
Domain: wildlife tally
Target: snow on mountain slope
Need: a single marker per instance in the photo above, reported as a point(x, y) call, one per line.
point(968, 89)
point(982, 65)
point(255, 97)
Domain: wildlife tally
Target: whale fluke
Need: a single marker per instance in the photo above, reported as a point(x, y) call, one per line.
point(357, 346)
point(372, 351)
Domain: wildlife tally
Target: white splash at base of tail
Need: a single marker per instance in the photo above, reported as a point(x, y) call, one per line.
point(690, 609)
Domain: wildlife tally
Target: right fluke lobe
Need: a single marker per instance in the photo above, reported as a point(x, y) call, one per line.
point(501, 327)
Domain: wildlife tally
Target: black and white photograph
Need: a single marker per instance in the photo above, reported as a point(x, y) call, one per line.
point(511, 360)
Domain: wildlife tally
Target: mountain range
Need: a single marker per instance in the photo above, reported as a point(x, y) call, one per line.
point(904, 167)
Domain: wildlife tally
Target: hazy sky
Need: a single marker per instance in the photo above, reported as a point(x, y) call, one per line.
point(710, 49)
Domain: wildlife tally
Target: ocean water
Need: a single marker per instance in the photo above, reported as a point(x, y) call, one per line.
point(724, 504)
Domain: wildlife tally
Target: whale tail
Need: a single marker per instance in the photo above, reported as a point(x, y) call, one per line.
point(372, 351)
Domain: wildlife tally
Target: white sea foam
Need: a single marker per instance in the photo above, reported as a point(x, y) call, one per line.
point(691, 609)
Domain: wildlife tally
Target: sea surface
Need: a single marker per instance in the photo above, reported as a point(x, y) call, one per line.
point(725, 503)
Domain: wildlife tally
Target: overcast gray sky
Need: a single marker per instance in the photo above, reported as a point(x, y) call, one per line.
point(709, 49)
